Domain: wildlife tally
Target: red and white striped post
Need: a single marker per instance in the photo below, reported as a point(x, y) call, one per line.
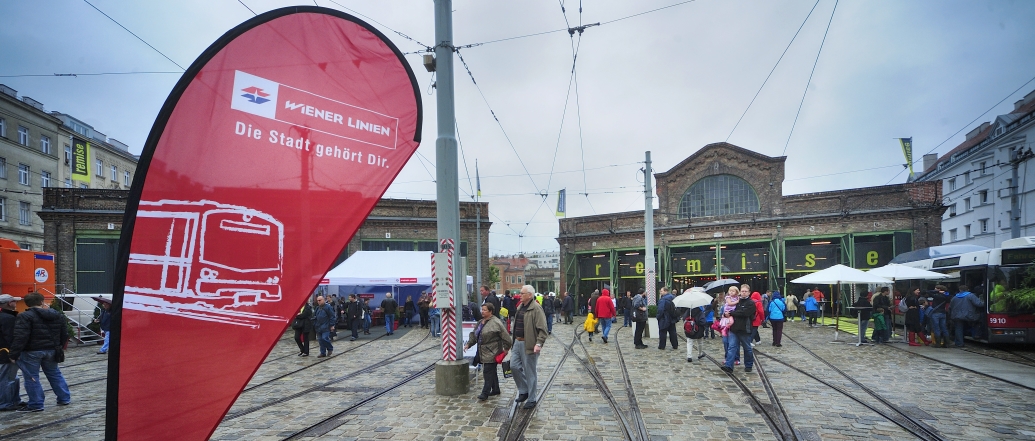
point(445, 297)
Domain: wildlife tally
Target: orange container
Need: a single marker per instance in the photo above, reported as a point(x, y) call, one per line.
point(25, 271)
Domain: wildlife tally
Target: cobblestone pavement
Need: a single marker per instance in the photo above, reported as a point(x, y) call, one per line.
point(677, 400)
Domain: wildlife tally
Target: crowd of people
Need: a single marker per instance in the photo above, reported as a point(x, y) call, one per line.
point(31, 341)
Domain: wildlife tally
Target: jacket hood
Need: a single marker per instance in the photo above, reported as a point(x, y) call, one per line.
point(777, 295)
point(756, 296)
point(962, 294)
point(605, 292)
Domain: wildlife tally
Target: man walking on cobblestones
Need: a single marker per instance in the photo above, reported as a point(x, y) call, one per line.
point(388, 307)
point(38, 333)
point(325, 318)
point(529, 328)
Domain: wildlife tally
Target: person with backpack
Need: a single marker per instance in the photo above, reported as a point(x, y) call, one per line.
point(777, 315)
point(667, 318)
point(694, 328)
point(963, 309)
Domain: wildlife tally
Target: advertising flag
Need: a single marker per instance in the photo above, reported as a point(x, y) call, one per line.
point(266, 158)
point(561, 202)
point(80, 160)
point(907, 149)
point(477, 179)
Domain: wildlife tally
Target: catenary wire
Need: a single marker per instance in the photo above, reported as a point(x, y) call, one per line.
point(246, 7)
point(806, 92)
point(135, 35)
point(88, 74)
point(426, 47)
point(773, 70)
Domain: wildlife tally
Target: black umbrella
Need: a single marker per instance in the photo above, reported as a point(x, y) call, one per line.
point(720, 285)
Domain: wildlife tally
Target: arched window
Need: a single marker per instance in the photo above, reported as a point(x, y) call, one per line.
point(718, 195)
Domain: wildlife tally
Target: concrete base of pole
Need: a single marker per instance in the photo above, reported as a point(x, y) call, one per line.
point(452, 377)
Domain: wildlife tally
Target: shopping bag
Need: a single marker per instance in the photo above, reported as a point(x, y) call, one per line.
point(506, 366)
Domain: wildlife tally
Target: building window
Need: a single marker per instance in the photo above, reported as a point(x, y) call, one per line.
point(68, 154)
point(125, 178)
point(718, 195)
point(68, 182)
point(983, 196)
point(3, 209)
point(114, 174)
point(44, 179)
point(3, 127)
point(983, 164)
point(952, 184)
point(23, 136)
point(3, 168)
point(45, 144)
point(23, 174)
point(983, 223)
point(952, 210)
point(966, 231)
point(98, 168)
point(952, 235)
point(966, 178)
point(966, 204)
point(83, 185)
point(23, 213)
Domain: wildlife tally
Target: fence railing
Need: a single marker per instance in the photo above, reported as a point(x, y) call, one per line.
point(78, 308)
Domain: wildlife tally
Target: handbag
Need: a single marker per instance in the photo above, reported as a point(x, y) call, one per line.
point(639, 315)
point(297, 324)
point(507, 373)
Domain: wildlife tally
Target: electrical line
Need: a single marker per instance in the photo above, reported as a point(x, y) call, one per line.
point(773, 70)
point(647, 12)
point(505, 135)
point(802, 103)
point(463, 156)
point(88, 74)
point(426, 47)
point(249, 9)
point(135, 35)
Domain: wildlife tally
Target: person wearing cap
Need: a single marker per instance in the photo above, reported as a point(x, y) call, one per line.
point(9, 388)
point(104, 321)
point(38, 333)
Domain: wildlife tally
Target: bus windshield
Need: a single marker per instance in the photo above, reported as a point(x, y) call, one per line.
point(1012, 289)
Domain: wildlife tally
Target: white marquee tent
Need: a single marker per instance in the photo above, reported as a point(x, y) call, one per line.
point(381, 268)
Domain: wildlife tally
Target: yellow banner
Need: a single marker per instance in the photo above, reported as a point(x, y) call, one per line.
point(80, 160)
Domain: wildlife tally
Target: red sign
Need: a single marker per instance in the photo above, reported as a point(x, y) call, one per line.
point(295, 111)
point(325, 281)
point(407, 280)
point(365, 296)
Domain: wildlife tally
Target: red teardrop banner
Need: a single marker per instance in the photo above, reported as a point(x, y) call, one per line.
point(264, 161)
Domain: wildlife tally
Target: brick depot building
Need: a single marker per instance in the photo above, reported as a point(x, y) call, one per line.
point(82, 228)
point(722, 214)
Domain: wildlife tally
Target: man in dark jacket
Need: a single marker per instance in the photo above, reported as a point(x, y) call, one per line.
point(740, 332)
point(38, 333)
point(568, 306)
point(388, 306)
point(353, 316)
point(104, 322)
point(939, 308)
point(490, 298)
point(667, 318)
point(625, 307)
point(507, 302)
point(963, 310)
point(324, 324)
point(9, 389)
point(549, 308)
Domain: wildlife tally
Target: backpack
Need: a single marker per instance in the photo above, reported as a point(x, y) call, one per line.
point(902, 305)
point(694, 326)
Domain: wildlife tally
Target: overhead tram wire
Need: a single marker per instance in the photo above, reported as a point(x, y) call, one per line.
point(89, 74)
point(426, 47)
point(773, 70)
point(567, 94)
point(463, 156)
point(135, 35)
point(246, 7)
point(982, 115)
point(494, 117)
point(802, 103)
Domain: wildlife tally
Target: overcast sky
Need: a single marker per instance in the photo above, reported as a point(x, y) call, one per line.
point(669, 81)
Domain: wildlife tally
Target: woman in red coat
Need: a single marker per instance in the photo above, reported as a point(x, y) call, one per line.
point(759, 317)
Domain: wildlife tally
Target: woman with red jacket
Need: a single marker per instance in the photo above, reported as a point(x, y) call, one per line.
point(759, 317)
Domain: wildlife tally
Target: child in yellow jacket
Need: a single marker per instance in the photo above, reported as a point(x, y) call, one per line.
point(590, 325)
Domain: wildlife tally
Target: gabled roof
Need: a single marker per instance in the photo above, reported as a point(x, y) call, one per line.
point(720, 145)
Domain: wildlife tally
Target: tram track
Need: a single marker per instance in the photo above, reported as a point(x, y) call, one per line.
point(897, 415)
point(773, 413)
point(318, 362)
point(518, 419)
point(973, 371)
point(399, 356)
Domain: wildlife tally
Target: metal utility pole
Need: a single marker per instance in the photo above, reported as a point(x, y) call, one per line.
point(478, 231)
point(451, 377)
point(648, 232)
point(1017, 156)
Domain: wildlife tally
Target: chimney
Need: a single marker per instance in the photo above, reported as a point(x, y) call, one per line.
point(977, 130)
point(8, 91)
point(38, 105)
point(929, 160)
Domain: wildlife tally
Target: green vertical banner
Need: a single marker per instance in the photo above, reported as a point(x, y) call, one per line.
point(80, 160)
point(907, 149)
point(561, 202)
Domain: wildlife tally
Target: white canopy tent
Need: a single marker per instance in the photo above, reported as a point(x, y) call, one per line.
point(384, 268)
